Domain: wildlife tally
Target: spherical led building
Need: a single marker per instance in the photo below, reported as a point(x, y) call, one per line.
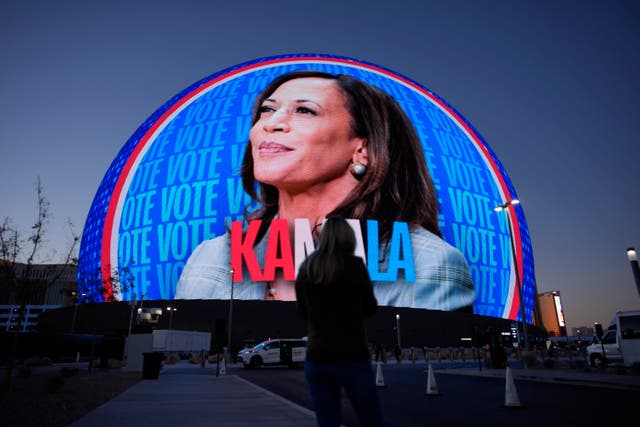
point(177, 183)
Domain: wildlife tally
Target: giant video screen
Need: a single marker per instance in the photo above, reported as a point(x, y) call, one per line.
point(224, 188)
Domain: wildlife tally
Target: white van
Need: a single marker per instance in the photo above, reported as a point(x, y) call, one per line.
point(620, 344)
point(282, 351)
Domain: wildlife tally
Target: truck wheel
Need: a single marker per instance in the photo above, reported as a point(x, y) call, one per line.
point(256, 362)
point(596, 360)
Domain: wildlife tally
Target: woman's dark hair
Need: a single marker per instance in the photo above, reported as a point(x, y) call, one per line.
point(397, 185)
point(336, 241)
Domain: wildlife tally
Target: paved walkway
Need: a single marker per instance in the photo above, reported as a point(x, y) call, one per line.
point(179, 396)
point(197, 400)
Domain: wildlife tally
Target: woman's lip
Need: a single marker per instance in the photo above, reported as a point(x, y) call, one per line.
point(268, 147)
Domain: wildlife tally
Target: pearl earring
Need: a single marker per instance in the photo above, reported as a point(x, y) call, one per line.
point(357, 169)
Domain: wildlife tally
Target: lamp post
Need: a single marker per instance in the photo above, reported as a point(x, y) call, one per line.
point(633, 259)
point(398, 329)
point(132, 305)
point(171, 310)
point(504, 207)
point(75, 311)
point(232, 271)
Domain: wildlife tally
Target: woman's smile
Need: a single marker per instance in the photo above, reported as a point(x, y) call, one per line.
point(267, 148)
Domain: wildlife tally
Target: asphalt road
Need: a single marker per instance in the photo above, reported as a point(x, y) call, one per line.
point(467, 400)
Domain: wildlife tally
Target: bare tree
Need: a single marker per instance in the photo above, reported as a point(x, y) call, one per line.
point(21, 283)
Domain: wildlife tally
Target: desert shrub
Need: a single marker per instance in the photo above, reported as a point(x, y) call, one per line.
point(68, 372)
point(38, 361)
point(115, 363)
point(529, 358)
point(24, 371)
point(173, 358)
point(55, 383)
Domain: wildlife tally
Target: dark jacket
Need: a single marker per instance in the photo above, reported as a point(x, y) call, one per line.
point(335, 314)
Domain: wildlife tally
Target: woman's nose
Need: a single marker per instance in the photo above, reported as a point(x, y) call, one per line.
point(277, 122)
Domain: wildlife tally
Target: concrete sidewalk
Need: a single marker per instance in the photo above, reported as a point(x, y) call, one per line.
point(187, 394)
point(181, 398)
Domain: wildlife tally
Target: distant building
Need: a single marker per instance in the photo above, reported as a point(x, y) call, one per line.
point(551, 314)
point(10, 317)
point(52, 284)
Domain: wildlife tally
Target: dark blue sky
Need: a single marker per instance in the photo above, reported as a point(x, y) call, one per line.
point(552, 86)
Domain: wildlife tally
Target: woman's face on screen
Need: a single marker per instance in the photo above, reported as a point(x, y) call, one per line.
point(303, 136)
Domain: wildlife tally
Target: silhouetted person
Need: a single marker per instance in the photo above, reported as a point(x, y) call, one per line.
point(334, 294)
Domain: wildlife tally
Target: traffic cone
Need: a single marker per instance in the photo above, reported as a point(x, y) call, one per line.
point(223, 367)
point(511, 399)
point(379, 377)
point(432, 387)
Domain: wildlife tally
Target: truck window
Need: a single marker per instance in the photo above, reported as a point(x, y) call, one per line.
point(609, 337)
point(272, 344)
point(630, 327)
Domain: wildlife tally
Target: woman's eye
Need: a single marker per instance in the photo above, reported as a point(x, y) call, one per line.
point(305, 110)
point(265, 109)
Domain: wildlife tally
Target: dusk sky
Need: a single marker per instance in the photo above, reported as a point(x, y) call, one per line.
point(553, 87)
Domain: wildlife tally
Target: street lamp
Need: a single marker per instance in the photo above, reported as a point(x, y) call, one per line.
point(232, 272)
point(398, 329)
point(132, 305)
point(75, 310)
point(504, 207)
point(633, 259)
point(171, 310)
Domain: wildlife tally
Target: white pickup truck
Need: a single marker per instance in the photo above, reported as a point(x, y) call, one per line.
point(620, 344)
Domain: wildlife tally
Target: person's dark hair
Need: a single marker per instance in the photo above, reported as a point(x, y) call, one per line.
point(397, 185)
point(336, 241)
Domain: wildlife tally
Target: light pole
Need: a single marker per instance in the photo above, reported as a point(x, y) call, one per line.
point(232, 271)
point(633, 259)
point(171, 310)
point(132, 304)
point(398, 329)
point(504, 207)
point(75, 311)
